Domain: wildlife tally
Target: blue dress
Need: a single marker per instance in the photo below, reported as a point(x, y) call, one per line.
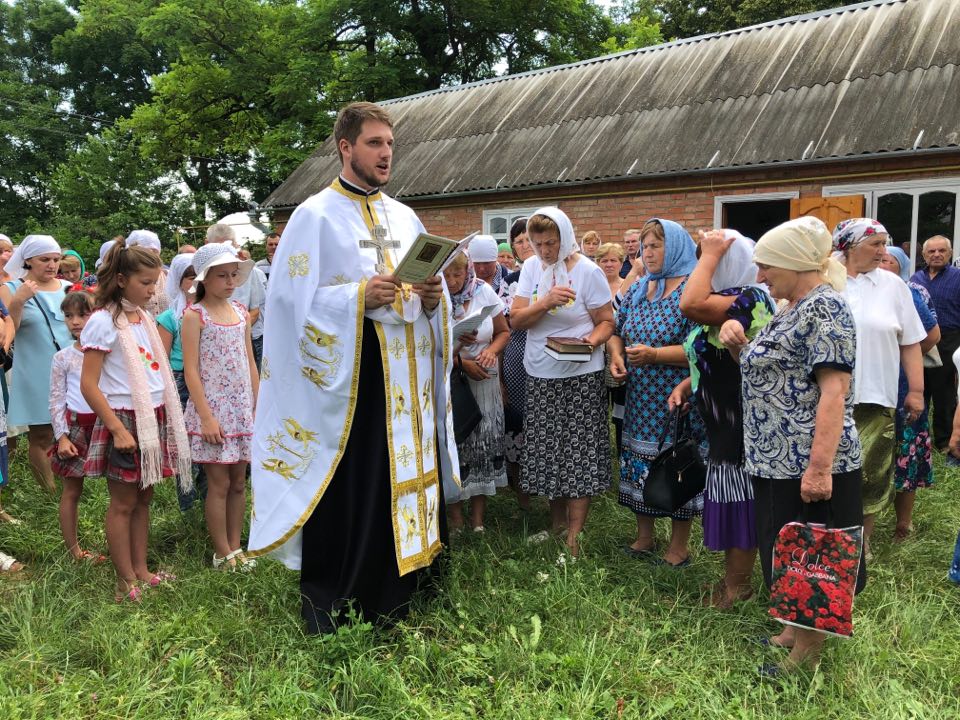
point(656, 324)
point(33, 356)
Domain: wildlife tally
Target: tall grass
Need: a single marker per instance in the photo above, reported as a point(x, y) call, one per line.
point(510, 634)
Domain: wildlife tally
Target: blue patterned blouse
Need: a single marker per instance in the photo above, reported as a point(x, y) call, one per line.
point(780, 391)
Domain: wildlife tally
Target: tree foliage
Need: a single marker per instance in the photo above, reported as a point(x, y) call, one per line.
point(163, 113)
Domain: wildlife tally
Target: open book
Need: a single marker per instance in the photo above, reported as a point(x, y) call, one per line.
point(429, 256)
point(473, 321)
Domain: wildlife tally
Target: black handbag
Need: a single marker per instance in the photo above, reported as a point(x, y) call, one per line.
point(466, 412)
point(678, 473)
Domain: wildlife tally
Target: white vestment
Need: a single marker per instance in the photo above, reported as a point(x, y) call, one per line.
point(311, 362)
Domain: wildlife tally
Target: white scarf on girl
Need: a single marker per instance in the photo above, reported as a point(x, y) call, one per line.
point(148, 433)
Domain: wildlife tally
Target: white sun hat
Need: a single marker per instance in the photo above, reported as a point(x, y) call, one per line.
point(214, 254)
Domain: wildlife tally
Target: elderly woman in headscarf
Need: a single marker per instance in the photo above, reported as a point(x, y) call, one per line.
point(723, 287)
point(913, 466)
point(889, 333)
point(567, 453)
point(34, 298)
point(149, 240)
point(799, 439)
point(482, 463)
point(647, 351)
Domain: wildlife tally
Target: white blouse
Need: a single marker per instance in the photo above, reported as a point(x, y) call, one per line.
point(886, 318)
point(593, 292)
point(100, 333)
point(65, 389)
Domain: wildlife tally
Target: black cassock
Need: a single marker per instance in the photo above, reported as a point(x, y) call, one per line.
point(349, 557)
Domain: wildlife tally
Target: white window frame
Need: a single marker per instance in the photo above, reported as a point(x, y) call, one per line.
point(507, 212)
point(720, 200)
point(872, 192)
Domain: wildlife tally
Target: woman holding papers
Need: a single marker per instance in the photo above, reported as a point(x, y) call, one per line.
point(563, 294)
point(482, 468)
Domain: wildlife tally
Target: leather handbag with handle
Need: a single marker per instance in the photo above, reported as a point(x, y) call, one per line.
point(677, 474)
point(466, 411)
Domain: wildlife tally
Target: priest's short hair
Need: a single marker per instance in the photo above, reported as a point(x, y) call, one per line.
point(350, 121)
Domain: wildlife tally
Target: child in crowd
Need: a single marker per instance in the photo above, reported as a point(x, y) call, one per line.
point(222, 377)
point(139, 436)
point(179, 281)
point(73, 421)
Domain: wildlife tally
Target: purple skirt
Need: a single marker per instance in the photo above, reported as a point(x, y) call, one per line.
point(729, 520)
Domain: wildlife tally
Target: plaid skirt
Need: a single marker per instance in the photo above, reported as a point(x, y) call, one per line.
point(80, 428)
point(101, 443)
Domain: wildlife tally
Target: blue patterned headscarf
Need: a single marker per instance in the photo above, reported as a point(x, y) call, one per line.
point(902, 260)
point(679, 256)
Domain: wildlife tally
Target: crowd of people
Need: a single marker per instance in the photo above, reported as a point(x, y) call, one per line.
point(803, 364)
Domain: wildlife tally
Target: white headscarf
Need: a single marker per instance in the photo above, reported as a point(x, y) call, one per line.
point(802, 244)
point(736, 268)
point(556, 273)
point(144, 238)
point(104, 249)
point(32, 246)
point(178, 298)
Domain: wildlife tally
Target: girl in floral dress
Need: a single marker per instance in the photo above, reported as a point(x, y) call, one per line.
point(222, 378)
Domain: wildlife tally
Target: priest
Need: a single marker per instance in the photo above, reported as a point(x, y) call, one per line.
point(353, 439)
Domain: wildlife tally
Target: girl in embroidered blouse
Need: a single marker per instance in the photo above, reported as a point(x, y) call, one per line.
point(139, 437)
point(222, 377)
point(73, 421)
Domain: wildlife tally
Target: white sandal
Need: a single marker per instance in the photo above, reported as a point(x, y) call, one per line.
point(223, 564)
point(7, 562)
point(245, 564)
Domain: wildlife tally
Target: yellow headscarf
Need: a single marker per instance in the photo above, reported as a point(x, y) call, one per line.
point(802, 244)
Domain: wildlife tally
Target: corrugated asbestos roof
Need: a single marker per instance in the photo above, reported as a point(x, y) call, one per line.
point(853, 81)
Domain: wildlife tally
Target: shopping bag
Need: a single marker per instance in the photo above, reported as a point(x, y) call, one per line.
point(815, 576)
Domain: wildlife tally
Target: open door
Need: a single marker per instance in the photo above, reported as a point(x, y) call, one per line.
point(829, 209)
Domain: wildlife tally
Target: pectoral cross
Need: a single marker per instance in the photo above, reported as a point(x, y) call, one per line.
point(379, 242)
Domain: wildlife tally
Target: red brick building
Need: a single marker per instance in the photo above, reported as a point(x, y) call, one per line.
point(844, 112)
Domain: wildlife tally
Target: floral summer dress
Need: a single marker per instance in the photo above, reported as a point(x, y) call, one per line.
point(225, 374)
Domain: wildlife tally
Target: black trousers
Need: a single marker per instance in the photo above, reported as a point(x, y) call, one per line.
point(940, 386)
point(348, 544)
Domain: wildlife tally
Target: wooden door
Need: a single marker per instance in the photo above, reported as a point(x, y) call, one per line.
point(829, 209)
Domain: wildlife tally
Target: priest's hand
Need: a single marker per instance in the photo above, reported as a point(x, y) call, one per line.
point(381, 290)
point(430, 291)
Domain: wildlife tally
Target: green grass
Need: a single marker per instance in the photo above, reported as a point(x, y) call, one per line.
point(511, 635)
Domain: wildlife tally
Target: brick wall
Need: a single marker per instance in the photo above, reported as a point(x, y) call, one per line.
point(611, 208)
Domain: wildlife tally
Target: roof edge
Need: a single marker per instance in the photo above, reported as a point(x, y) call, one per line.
point(650, 48)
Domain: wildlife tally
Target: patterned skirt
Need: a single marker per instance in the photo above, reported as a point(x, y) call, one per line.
point(875, 426)
point(80, 429)
point(567, 453)
point(914, 461)
point(101, 443)
point(482, 468)
point(729, 518)
point(635, 461)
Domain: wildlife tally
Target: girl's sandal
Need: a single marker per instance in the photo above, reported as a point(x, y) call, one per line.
point(242, 562)
point(160, 578)
point(87, 556)
point(134, 594)
point(227, 563)
point(9, 564)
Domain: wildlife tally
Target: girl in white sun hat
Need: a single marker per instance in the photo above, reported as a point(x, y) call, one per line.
point(222, 378)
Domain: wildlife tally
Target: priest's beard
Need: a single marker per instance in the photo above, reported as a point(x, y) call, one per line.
point(367, 178)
